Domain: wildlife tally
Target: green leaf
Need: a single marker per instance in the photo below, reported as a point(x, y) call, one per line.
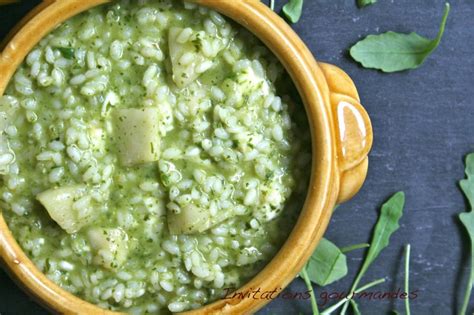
point(67, 52)
point(467, 219)
point(386, 225)
point(363, 3)
point(467, 185)
point(327, 264)
point(293, 10)
point(391, 52)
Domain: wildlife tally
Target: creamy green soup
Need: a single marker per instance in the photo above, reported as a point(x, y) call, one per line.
point(152, 156)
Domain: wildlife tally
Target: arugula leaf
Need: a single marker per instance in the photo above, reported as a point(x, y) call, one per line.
point(391, 52)
point(67, 52)
point(467, 185)
point(387, 224)
point(363, 3)
point(467, 219)
point(407, 278)
point(327, 264)
point(293, 10)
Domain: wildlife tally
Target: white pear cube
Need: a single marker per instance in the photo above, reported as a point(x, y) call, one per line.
point(110, 247)
point(59, 204)
point(137, 135)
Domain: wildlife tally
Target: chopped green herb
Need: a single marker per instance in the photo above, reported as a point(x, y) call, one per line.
point(67, 52)
point(391, 52)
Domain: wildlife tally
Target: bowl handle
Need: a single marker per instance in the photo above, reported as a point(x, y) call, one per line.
point(353, 131)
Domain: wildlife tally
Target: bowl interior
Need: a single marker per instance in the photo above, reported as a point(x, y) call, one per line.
point(310, 82)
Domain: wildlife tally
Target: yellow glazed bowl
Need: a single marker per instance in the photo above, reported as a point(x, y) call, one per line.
point(341, 140)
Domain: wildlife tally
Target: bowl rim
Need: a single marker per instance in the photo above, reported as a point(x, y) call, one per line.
point(309, 79)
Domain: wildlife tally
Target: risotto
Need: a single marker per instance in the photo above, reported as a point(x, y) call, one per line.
point(153, 155)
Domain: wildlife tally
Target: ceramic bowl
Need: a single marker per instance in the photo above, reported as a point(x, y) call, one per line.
point(341, 139)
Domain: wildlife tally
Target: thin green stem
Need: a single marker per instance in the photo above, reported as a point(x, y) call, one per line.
point(437, 40)
point(334, 307)
point(314, 304)
point(355, 307)
point(467, 295)
point(354, 286)
point(354, 247)
point(272, 5)
point(407, 278)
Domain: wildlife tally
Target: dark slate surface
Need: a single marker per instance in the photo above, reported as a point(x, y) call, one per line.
point(422, 123)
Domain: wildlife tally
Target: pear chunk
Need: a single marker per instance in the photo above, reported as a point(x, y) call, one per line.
point(59, 202)
point(191, 219)
point(137, 135)
point(110, 247)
